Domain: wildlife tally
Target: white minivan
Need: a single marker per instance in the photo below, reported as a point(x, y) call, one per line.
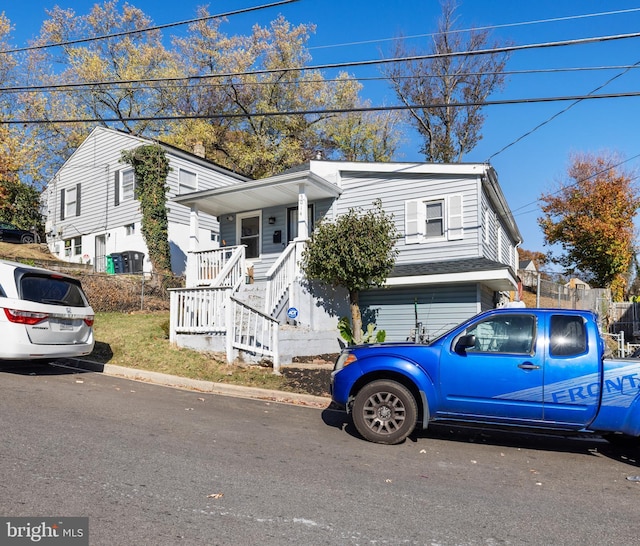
point(43, 314)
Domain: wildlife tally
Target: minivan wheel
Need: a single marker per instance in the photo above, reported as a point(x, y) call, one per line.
point(385, 412)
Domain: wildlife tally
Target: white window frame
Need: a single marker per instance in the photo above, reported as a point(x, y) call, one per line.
point(70, 201)
point(452, 219)
point(129, 194)
point(185, 186)
point(72, 247)
point(440, 220)
point(130, 229)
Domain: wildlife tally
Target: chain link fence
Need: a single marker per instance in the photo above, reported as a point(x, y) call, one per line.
point(560, 294)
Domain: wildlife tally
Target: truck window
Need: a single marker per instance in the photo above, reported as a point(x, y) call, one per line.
point(504, 334)
point(568, 336)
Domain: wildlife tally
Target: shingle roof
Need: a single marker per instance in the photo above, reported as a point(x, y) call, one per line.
point(446, 267)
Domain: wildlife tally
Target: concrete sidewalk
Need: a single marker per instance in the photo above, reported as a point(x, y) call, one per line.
point(196, 384)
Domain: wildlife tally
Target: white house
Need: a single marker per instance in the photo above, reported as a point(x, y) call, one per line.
point(91, 211)
point(457, 255)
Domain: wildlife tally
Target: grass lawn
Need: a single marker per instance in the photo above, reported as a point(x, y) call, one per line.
point(138, 340)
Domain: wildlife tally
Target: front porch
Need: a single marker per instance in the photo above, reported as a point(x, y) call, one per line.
point(223, 309)
point(237, 297)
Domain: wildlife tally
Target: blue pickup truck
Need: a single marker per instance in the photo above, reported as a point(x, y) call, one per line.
point(526, 369)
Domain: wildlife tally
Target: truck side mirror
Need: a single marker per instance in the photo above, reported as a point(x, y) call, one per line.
point(464, 343)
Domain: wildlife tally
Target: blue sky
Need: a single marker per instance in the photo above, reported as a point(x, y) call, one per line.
point(360, 30)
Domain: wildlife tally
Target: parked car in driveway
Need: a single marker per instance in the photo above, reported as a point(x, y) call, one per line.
point(43, 314)
point(12, 234)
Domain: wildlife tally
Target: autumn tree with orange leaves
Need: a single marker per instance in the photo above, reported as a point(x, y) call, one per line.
point(591, 218)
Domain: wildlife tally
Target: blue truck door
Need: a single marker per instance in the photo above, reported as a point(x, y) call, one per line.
point(572, 371)
point(500, 378)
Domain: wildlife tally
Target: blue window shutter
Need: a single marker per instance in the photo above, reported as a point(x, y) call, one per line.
point(116, 189)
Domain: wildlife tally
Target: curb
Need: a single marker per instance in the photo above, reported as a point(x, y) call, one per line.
point(224, 389)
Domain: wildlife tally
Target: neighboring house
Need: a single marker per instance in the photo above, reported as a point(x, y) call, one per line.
point(457, 256)
point(91, 211)
point(577, 284)
point(528, 273)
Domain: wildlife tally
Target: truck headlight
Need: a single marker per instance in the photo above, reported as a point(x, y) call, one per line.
point(344, 359)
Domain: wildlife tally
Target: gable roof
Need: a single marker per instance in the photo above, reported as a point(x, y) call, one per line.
point(169, 149)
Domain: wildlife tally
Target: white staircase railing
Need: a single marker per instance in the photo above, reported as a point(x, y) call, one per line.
point(219, 267)
point(281, 275)
point(252, 331)
point(214, 310)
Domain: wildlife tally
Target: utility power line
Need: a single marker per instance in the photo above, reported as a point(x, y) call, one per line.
point(520, 212)
point(558, 114)
point(486, 27)
point(148, 29)
point(178, 81)
point(370, 62)
point(362, 109)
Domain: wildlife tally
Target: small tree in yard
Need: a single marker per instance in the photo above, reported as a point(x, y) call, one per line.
point(356, 251)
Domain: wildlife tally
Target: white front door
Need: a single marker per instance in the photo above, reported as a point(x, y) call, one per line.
point(100, 260)
point(249, 230)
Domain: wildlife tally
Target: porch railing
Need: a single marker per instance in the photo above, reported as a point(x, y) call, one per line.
point(215, 310)
point(252, 331)
point(219, 267)
point(281, 275)
point(197, 311)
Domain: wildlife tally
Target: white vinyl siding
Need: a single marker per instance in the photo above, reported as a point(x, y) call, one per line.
point(97, 166)
point(434, 219)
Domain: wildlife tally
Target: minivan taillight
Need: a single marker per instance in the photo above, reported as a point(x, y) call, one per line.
point(24, 317)
point(88, 320)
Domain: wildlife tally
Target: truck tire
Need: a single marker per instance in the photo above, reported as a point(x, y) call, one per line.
point(385, 412)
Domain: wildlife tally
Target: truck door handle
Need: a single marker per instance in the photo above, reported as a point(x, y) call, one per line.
point(528, 366)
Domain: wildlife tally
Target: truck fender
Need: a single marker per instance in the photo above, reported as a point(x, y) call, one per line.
point(407, 372)
point(631, 425)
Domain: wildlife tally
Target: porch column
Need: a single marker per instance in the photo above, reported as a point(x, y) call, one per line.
point(303, 213)
point(194, 245)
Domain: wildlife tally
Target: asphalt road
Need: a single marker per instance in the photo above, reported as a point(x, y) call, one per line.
point(155, 465)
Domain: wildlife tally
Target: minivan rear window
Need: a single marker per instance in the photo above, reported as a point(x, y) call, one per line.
point(52, 290)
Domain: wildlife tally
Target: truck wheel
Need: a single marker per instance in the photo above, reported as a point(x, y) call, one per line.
point(385, 412)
